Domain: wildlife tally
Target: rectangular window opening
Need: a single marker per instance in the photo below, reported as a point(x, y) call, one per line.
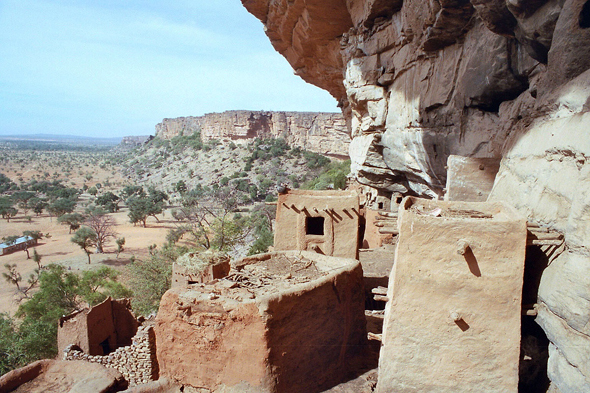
point(314, 225)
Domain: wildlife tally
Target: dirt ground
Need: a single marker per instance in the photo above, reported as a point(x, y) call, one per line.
point(59, 249)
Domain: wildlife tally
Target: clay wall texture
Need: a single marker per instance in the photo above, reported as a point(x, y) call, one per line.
point(470, 179)
point(110, 320)
point(339, 211)
point(453, 320)
point(421, 80)
point(324, 133)
point(185, 275)
point(284, 335)
point(136, 361)
point(372, 238)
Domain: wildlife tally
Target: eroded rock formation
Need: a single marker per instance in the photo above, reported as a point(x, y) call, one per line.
point(421, 80)
point(324, 133)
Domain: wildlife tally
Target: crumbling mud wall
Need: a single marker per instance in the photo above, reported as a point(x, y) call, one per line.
point(279, 322)
point(136, 362)
point(421, 80)
point(192, 268)
point(100, 329)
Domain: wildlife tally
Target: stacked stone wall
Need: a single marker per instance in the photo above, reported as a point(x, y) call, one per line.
point(137, 362)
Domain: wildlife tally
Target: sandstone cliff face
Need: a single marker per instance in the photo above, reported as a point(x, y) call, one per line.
point(134, 141)
point(324, 133)
point(421, 80)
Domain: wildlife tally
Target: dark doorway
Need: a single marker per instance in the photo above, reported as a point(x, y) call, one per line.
point(106, 348)
point(585, 16)
point(314, 225)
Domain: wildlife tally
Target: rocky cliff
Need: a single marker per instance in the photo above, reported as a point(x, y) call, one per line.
point(324, 133)
point(421, 80)
point(129, 142)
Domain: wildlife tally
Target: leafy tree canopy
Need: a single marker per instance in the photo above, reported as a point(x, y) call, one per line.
point(61, 206)
point(74, 220)
point(33, 334)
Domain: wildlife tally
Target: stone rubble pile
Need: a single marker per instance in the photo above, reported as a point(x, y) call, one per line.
point(137, 362)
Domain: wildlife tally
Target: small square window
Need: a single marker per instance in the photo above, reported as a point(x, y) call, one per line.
point(314, 225)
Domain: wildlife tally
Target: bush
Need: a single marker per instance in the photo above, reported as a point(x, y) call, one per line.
point(150, 278)
point(334, 176)
point(314, 160)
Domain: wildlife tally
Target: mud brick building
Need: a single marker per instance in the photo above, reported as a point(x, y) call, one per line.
point(453, 319)
point(326, 222)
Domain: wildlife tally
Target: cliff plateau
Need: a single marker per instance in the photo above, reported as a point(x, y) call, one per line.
point(324, 133)
point(421, 80)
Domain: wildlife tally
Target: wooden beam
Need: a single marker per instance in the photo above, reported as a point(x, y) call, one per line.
point(379, 291)
point(374, 336)
point(389, 231)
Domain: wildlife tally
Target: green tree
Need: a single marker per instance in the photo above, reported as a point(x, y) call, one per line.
point(108, 201)
point(180, 187)
point(38, 204)
point(85, 238)
point(12, 276)
point(120, 245)
point(132, 190)
point(212, 223)
point(157, 196)
point(7, 209)
point(151, 277)
point(261, 220)
point(36, 235)
point(96, 285)
point(61, 206)
point(74, 220)
point(5, 183)
point(10, 240)
point(140, 208)
point(334, 176)
point(22, 199)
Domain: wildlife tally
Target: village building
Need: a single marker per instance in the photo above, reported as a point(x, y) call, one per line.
point(470, 179)
point(98, 330)
point(326, 222)
point(22, 243)
point(285, 321)
point(378, 224)
point(453, 317)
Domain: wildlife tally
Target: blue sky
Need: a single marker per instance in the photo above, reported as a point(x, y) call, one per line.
point(117, 67)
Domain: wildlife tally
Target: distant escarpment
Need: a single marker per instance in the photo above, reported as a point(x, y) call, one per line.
point(133, 141)
point(324, 133)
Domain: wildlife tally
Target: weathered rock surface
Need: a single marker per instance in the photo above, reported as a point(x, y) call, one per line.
point(324, 133)
point(421, 80)
point(62, 376)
